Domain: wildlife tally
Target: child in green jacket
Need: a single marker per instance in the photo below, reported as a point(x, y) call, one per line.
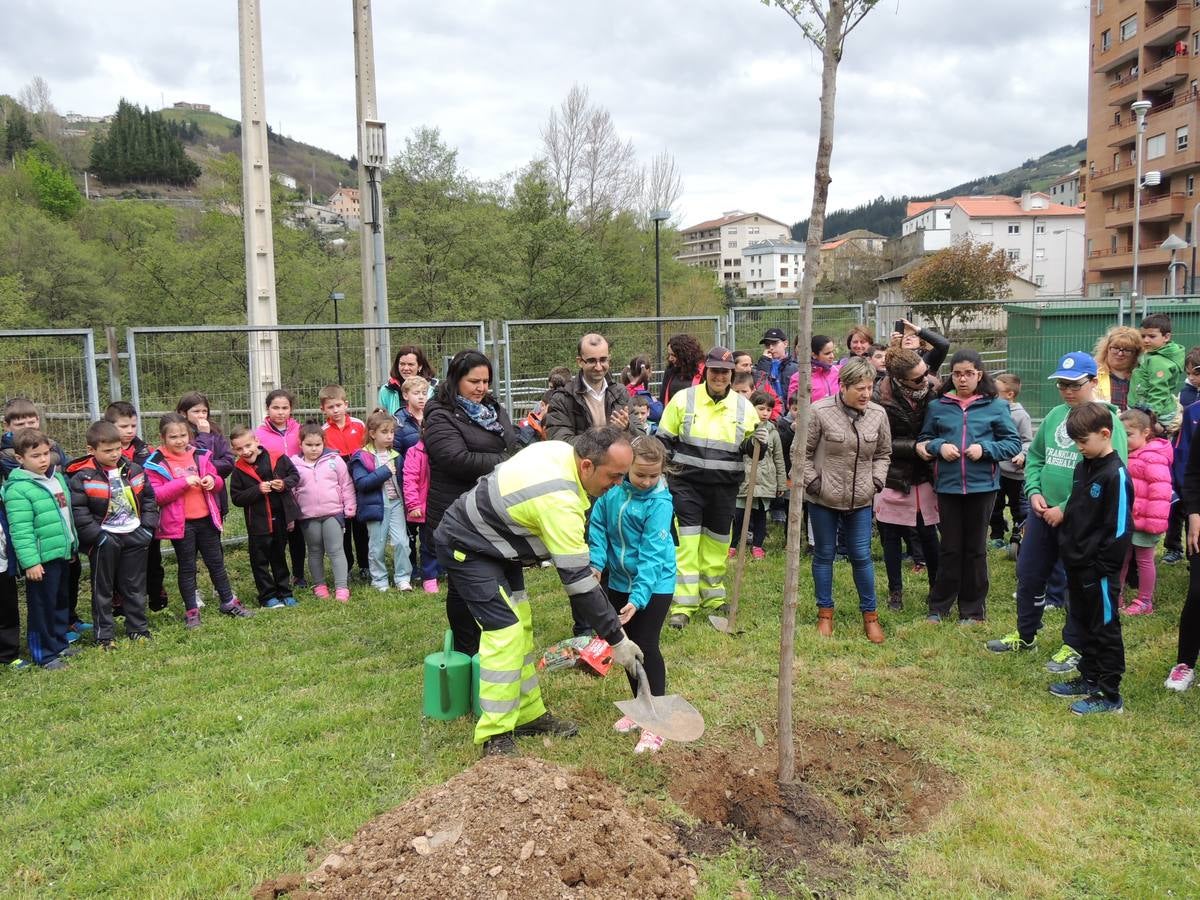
point(1155, 381)
point(44, 540)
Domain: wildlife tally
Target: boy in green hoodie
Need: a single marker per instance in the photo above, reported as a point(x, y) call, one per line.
point(1049, 475)
point(1155, 381)
point(37, 501)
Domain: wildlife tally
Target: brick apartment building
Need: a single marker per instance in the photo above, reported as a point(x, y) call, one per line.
point(1141, 50)
point(718, 243)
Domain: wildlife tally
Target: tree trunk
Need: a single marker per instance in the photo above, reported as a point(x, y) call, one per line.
point(831, 56)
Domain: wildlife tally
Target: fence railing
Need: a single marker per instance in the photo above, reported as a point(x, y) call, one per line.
point(747, 323)
point(56, 369)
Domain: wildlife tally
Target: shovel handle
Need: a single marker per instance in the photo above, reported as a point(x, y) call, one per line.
point(740, 565)
point(642, 679)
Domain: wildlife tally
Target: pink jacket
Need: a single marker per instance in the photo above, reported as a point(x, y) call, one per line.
point(823, 383)
point(169, 491)
point(416, 481)
point(1150, 470)
point(325, 487)
point(286, 444)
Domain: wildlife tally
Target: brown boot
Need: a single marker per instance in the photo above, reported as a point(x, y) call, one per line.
point(825, 622)
point(872, 628)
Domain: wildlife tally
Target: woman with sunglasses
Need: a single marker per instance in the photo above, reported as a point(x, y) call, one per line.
point(968, 431)
point(1116, 355)
point(907, 500)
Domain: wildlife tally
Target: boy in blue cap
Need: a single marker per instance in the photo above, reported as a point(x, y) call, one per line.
point(1049, 471)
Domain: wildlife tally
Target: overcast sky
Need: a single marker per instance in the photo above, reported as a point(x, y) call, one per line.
point(931, 92)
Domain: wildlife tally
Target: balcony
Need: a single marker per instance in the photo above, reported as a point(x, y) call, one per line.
point(1166, 73)
point(1123, 91)
point(1119, 214)
point(1112, 177)
point(1164, 208)
point(1123, 133)
point(1119, 53)
point(1168, 27)
point(1122, 258)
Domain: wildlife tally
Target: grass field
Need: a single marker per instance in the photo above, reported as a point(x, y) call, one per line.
point(202, 763)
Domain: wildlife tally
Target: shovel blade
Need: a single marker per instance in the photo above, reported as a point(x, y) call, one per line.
point(722, 624)
point(669, 717)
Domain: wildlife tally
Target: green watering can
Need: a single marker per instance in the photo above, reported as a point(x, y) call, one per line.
point(447, 682)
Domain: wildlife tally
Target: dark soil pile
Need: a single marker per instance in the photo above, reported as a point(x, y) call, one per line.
point(505, 829)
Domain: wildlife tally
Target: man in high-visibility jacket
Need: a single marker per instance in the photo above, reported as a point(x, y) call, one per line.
point(707, 428)
point(531, 508)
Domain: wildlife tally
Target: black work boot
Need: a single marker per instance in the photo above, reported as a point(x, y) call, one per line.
point(548, 724)
point(501, 745)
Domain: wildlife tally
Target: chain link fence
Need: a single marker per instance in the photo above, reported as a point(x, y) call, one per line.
point(747, 324)
point(56, 369)
point(166, 362)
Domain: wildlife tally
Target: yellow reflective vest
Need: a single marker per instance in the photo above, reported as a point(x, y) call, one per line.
point(706, 436)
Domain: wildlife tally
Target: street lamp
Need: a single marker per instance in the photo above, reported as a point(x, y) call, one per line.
point(659, 216)
point(1065, 231)
point(1195, 224)
point(1139, 108)
point(1174, 243)
point(335, 296)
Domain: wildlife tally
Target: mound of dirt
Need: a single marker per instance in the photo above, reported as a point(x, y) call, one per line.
point(506, 828)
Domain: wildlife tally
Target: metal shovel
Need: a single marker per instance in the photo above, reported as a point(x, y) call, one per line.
point(670, 717)
point(729, 626)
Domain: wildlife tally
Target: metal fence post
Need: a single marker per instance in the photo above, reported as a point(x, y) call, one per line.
point(114, 363)
point(507, 351)
point(131, 355)
point(89, 362)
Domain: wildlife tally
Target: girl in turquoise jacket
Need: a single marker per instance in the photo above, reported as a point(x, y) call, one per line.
point(968, 432)
point(631, 538)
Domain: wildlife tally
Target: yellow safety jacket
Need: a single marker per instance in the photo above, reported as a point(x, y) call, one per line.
point(708, 437)
point(532, 508)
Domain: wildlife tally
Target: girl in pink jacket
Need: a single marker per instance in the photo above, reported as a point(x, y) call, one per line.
point(416, 496)
point(824, 379)
point(326, 498)
point(186, 487)
point(1149, 467)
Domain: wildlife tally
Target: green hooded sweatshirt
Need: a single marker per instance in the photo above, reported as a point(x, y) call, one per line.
point(1155, 381)
point(1051, 459)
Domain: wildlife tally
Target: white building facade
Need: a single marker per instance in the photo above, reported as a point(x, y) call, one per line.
point(772, 268)
point(717, 244)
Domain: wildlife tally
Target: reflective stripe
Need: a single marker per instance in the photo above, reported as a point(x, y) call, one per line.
point(681, 578)
point(686, 600)
point(714, 464)
point(499, 706)
point(689, 531)
point(521, 596)
point(711, 593)
point(485, 530)
point(538, 490)
point(714, 536)
point(530, 659)
point(529, 685)
point(713, 579)
point(500, 508)
point(571, 560)
point(499, 676)
point(582, 586)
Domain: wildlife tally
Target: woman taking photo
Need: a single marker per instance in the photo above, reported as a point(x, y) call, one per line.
point(968, 431)
point(683, 366)
point(845, 466)
point(467, 434)
point(907, 501)
point(410, 360)
point(1116, 356)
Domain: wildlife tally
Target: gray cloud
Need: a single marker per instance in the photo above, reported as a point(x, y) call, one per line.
point(931, 92)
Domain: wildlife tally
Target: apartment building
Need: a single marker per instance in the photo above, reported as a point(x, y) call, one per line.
point(717, 244)
point(773, 268)
point(1043, 239)
point(345, 202)
point(1140, 50)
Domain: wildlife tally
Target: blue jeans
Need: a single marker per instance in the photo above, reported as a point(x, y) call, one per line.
point(391, 529)
point(856, 529)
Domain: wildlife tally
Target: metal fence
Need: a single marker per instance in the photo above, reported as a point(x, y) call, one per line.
point(56, 369)
point(747, 323)
point(531, 347)
point(165, 362)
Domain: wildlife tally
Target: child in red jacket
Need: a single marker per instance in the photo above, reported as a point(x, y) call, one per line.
point(1150, 460)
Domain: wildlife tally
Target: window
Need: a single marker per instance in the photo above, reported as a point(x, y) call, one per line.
point(1190, 185)
point(1013, 255)
point(1196, 44)
point(753, 229)
point(783, 284)
point(1105, 40)
point(732, 245)
point(1156, 146)
point(1014, 227)
point(1039, 280)
point(783, 273)
point(1039, 253)
point(1181, 137)
point(732, 229)
point(1099, 7)
point(1128, 28)
point(985, 228)
point(1039, 228)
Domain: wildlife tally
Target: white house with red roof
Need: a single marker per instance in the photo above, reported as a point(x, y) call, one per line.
point(1043, 239)
point(717, 243)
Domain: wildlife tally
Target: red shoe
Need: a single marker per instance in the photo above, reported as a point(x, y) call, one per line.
point(733, 552)
point(758, 553)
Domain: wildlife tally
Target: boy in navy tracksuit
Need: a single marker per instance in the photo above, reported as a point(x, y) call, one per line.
point(1094, 539)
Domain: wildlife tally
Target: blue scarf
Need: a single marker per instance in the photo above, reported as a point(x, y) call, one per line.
point(482, 415)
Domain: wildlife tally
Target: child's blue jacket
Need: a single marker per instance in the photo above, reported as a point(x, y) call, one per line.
point(631, 536)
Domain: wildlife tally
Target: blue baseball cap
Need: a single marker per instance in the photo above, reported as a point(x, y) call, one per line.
point(1075, 366)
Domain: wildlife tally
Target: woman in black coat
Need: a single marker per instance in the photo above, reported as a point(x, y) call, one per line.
point(467, 433)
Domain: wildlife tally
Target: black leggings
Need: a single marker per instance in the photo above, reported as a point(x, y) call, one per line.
point(200, 536)
point(643, 629)
point(1189, 619)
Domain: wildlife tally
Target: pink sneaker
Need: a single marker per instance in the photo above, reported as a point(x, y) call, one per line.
point(624, 725)
point(321, 592)
point(733, 552)
point(758, 553)
point(430, 585)
point(342, 595)
point(1181, 678)
point(649, 743)
point(1139, 607)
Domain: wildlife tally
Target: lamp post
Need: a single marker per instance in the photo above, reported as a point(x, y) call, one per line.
point(1139, 108)
point(1195, 225)
point(1174, 243)
point(659, 216)
point(1066, 231)
point(335, 296)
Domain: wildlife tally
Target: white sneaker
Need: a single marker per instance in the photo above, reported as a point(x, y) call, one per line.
point(199, 599)
point(1181, 678)
point(404, 584)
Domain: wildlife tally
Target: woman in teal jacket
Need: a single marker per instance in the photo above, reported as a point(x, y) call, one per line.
point(968, 431)
point(631, 538)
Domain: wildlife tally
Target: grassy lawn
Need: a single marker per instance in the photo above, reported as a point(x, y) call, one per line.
point(205, 762)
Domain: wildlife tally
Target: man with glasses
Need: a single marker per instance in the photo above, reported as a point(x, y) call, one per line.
point(1049, 469)
point(591, 399)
